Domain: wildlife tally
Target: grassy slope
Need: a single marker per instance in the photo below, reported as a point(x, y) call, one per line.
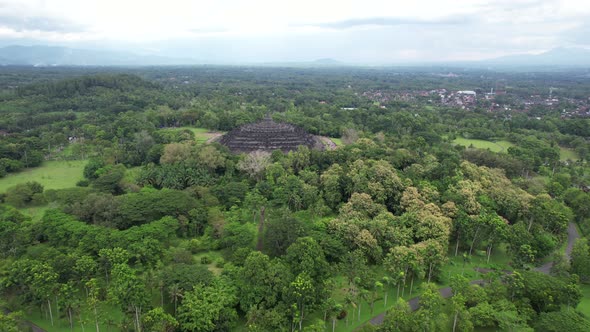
point(565, 154)
point(52, 175)
point(499, 146)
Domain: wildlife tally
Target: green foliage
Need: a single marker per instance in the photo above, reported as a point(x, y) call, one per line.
point(29, 193)
point(401, 190)
point(10, 322)
point(564, 320)
point(580, 260)
point(208, 308)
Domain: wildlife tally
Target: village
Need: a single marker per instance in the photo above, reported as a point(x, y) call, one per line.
point(492, 100)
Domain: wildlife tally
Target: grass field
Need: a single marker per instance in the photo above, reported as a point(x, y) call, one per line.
point(110, 318)
point(337, 141)
point(498, 146)
point(36, 212)
point(201, 134)
point(584, 306)
point(52, 175)
point(214, 257)
point(567, 154)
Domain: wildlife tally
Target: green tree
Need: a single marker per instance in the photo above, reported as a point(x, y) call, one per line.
point(580, 260)
point(10, 322)
point(565, 319)
point(208, 308)
point(128, 290)
point(398, 318)
point(157, 320)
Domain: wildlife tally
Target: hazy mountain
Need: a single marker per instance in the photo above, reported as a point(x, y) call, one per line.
point(327, 62)
point(570, 57)
point(63, 56)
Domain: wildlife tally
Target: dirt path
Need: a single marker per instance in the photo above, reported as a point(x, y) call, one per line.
point(446, 292)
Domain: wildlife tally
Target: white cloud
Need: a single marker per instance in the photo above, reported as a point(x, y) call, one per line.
point(386, 29)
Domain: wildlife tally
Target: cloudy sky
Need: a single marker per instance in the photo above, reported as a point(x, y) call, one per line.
point(358, 31)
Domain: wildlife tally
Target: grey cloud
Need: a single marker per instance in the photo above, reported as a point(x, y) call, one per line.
point(391, 22)
point(39, 23)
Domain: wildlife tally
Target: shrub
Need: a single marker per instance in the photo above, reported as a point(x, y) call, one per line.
point(205, 260)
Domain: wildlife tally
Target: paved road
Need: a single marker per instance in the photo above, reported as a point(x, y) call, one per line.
point(572, 235)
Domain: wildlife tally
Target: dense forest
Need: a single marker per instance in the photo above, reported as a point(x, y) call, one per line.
point(411, 224)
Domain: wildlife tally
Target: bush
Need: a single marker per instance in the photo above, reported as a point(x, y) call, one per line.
point(205, 260)
point(83, 183)
point(342, 314)
point(23, 194)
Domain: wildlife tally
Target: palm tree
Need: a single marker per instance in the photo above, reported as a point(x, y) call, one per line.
point(175, 293)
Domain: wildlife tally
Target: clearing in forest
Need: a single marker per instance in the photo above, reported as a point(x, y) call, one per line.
point(498, 146)
point(52, 175)
point(567, 154)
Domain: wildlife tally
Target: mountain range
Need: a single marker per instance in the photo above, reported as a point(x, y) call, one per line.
point(41, 55)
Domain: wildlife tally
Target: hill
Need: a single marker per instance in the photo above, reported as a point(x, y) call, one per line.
point(41, 55)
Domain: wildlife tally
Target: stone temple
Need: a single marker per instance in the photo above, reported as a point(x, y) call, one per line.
point(268, 135)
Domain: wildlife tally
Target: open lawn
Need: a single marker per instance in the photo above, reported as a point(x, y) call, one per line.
point(584, 306)
point(110, 319)
point(567, 154)
point(216, 265)
point(498, 146)
point(337, 141)
point(36, 212)
point(52, 175)
point(202, 135)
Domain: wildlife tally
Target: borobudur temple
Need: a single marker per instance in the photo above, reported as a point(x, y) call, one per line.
point(268, 135)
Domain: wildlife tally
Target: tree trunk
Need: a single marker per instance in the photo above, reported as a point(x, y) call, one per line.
point(96, 319)
point(81, 322)
point(411, 285)
point(455, 321)
point(429, 271)
point(57, 309)
point(457, 246)
point(70, 318)
point(137, 318)
point(385, 299)
point(489, 252)
point(359, 313)
point(333, 324)
point(301, 317)
point(50, 313)
point(473, 242)
point(260, 244)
